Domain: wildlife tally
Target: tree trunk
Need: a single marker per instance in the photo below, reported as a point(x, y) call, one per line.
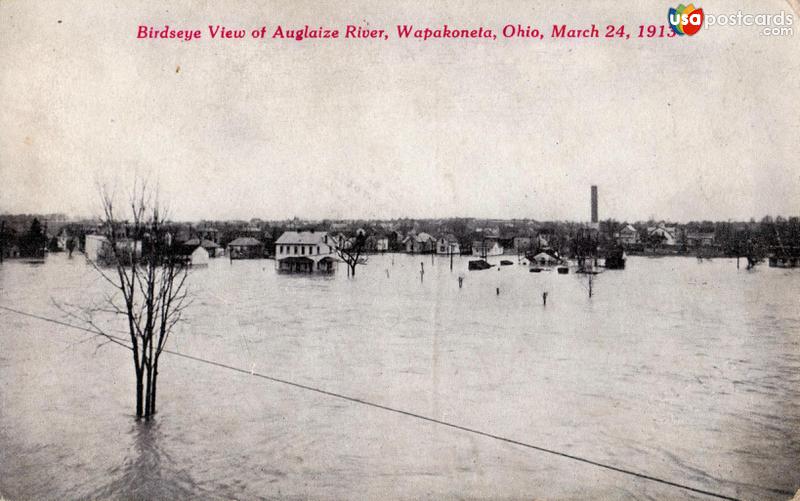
point(153, 390)
point(148, 391)
point(139, 395)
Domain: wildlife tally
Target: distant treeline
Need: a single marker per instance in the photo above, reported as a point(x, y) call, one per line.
point(31, 235)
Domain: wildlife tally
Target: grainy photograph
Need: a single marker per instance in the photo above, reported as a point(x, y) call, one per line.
point(452, 250)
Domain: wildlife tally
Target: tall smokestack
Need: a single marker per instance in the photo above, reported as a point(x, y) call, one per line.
point(594, 204)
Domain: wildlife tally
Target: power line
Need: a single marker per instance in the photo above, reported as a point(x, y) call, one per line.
point(474, 431)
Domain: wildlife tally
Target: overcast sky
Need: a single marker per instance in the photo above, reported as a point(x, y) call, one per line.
point(703, 127)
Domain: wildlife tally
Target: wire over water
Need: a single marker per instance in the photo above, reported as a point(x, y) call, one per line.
point(429, 419)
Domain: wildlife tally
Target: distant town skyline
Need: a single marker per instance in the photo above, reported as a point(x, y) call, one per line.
point(700, 128)
point(63, 216)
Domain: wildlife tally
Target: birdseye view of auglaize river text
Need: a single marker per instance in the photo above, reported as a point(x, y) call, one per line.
point(444, 32)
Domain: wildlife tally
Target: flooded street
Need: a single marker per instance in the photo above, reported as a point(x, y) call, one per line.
point(684, 370)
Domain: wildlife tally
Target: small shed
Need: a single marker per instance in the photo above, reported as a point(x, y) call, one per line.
point(199, 257)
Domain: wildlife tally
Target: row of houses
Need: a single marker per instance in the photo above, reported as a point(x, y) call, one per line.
point(663, 234)
point(307, 256)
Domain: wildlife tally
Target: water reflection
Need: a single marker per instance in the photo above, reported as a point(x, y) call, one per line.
point(148, 471)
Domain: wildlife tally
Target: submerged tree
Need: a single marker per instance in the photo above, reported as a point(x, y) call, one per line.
point(70, 245)
point(351, 252)
point(149, 281)
point(34, 241)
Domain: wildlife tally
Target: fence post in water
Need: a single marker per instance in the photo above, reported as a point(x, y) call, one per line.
point(498, 291)
point(460, 282)
point(421, 270)
point(451, 259)
point(590, 286)
point(737, 261)
point(387, 273)
point(544, 298)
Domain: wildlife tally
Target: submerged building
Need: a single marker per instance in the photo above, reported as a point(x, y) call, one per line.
point(305, 252)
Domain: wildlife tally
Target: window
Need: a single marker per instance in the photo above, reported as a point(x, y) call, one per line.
point(303, 250)
point(295, 249)
point(317, 249)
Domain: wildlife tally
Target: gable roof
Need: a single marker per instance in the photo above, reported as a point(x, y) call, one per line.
point(301, 237)
point(544, 257)
point(246, 241)
point(207, 244)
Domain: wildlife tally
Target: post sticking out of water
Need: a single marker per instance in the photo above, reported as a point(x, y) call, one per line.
point(737, 261)
point(451, 259)
point(387, 273)
point(460, 282)
point(421, 271)
point(544, 298)
point(590, 285)
point(498, 291)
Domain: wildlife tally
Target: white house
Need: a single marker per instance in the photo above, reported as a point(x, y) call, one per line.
point(700, 238)
point(98, 249)
point(487, 247)
point(422, 243)
point(663, 232)
point(382, 244)
point(628, 235)
point(305, 252)
point(448, 244)
point(544, 259)
point(95, 246)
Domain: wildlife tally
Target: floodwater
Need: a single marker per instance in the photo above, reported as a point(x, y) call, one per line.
point(683, 370)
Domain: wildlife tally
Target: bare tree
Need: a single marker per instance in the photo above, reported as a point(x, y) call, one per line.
point(149, 281)
point(351, 252)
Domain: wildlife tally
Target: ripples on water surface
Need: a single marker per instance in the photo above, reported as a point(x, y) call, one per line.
point(682, 369)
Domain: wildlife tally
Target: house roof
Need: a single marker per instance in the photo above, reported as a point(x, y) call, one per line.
point(661, 231)
point(543, 256)
point(207, 244)
point(301, 237)
point(246, 242)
